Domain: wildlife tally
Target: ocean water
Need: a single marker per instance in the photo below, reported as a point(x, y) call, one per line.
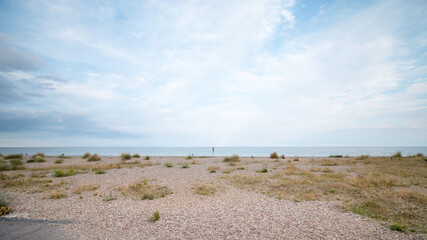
point(219, 151)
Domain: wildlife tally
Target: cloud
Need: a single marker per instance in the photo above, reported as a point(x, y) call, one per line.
point(12, 59)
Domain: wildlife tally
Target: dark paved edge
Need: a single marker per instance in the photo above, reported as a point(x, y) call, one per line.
point(23, 220)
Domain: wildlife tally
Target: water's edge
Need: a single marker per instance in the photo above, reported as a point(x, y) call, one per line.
point(219, 151)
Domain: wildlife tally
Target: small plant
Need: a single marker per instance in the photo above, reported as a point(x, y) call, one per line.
point(125, 156)
point(6, 166)
point(185, 165)
point(109, 197)
point(62, 173)
point(240, 168)
point(233, 158)
point(86, 155)
point(5, 200)
point(420, 155)
point(144, 191)
point(399, 227)
point(94, 158)
point(16, 162)
point(397, 155)
point(274, 155)
point(264, 170)
point(147, 157)
point(213, 169)
point(58, 161)
point(57, 194)
point(204, 189)
point(335, 156)
point(296, 159)
point(155, 217)
point(61, 156)
point(100, 171)
point(39, 154)
point(188, 157)
point(30, 160)
point(39, 159)
point(282, 156)
point(12, 156)
point(168, 164)
point(84, 188)
point(363, 157)
point(232, 164)
point(136, 155)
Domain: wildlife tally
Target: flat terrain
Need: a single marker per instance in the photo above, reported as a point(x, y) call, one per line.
point(207, 198)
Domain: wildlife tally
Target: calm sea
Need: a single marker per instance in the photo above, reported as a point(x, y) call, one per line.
point(219, 151)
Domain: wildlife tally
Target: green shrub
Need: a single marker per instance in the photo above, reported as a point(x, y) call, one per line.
point(5, 200)
point(264, 170)
point(335, 156)
point(16, 162)
point(61, 156)
point(234, 158)
point(58, 161)
point(420, 155)
point(6, 166)
point(185, 166)
point(38, 154)
point(189, 157)
point(39, 159)
point(94, 158)
point(30, 161)
point(274, 155)
point(282, 156)
point(62, 173)
point(155, 217)
point(100, 171)
point(168, 164)
point(12, 156)
point(399, 227)
point(125, 156)
point(147, 157)
point(397, 155)
point(86, 155)
point(136, 155)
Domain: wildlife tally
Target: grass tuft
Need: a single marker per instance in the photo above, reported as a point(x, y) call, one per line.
point(233, 158)
point(136, 155)
point(203, 189)
point(62, 173)
point(125, 156)
point(143, 190)
point(86, 155)
point(12, 156)
point(155, 217)
point(94, 158)
point(274, 155)
point(185, 165)
point(147, 157)
point(189, 157)
point(168, 164)
point(59, 161)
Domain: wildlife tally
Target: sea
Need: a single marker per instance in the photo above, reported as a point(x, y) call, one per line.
point(219, 151)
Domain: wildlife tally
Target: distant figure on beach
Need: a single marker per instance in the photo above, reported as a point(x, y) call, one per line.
point(213, 151)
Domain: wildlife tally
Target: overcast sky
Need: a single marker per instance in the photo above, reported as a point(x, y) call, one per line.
point(213, 73)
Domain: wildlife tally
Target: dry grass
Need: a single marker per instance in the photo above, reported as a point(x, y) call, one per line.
point(213, 169)
point(86, 188)
point(56, 194)
point(204, 189)
point(392, 190)
point(143, 190)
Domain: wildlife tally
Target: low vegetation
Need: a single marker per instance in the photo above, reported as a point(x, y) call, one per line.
point(204, 189)
point(13, 156)
point(136, 155)
point(59, 161)
point(144, 190)
point(86, 155)
point(391, 190)
point(94, 158)
point(168, 164)
point(155, 217)
point(233, 158)
point(86, 188)
point(274, 155)
point(5, 200)
point(213, 169)
point(185, 165)
point(64, 173)
point(189, 157)
point(147, 158)
point(335, 156)
point(56, 194)
point(125, 156)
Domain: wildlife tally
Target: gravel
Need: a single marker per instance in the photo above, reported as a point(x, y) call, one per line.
point(231, 213)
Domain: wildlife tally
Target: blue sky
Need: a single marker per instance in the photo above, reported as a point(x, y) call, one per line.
point(213, 73)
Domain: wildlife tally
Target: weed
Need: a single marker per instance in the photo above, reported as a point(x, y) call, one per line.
point(12, 156)
point(168, 164)
point(62, 173)
point(125, 156)
point(100, 171)
point(189, 157)
point(363, 157)
point(84, 188)
point(16, 162)
point(233, 158)
point(232, 164)
point(6, 166)
point(58, 161)
point(86, 155)
point(213, 169)
point(399, 227)
point(204, 189)
point(39, 159)
point(5, 200)
point(335, 156)
point(143, 190)
point(282, 156)
point(240, 168)
point(185, 165)
point(57, 194)
point(136, 155)
point(274, 155)
point(155, 217)
point(264, 170)
point(94, 158)
point(109, 197)
point(397, 155)
point(39, 154)
point(147, 157)
point(30, 160)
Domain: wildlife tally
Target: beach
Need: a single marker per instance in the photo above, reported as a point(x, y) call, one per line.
point(203, 197)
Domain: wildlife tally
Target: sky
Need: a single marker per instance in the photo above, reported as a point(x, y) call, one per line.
point(213, 73)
